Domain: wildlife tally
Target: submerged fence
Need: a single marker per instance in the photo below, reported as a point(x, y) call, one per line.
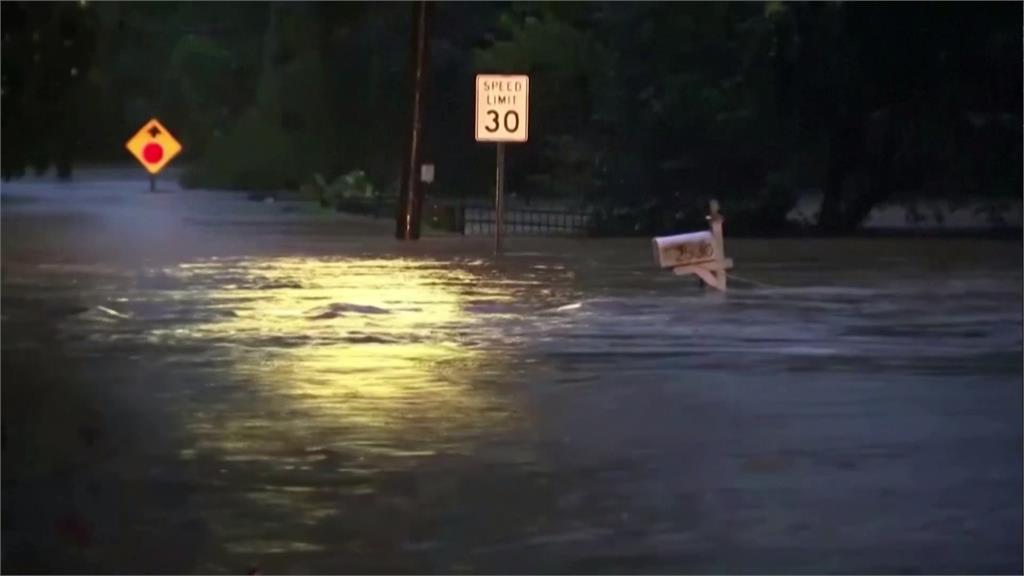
point(479, 221)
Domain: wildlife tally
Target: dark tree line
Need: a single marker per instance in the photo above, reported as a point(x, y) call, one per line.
point(638, 110)
point(48, 49)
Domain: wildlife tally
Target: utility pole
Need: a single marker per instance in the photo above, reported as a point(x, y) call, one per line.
point(410, 202)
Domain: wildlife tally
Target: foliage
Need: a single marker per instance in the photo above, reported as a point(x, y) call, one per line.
point(627, 130)
point(566, 66)
point(353, 187)
point(47, 57)
point(282, 138)
point(254, 155)
point(199, 75)
point(891, 100)
point(640, 110)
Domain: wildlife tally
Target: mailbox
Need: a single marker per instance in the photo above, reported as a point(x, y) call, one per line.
point(684, 249)
point(698, 253)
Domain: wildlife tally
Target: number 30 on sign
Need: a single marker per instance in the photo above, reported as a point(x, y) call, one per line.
point(502, 108)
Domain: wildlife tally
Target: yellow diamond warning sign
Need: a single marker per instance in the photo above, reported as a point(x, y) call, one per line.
point(153, 146)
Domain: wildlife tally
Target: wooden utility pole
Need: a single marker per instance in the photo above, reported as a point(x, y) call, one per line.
point(410, 202)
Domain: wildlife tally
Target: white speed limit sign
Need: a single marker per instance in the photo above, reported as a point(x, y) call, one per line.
point(502, 108)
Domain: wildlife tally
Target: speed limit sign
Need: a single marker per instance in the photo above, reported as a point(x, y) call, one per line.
point(502, 108)
point(502, 115)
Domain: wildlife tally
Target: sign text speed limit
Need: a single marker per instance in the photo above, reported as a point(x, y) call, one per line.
point(502, 108)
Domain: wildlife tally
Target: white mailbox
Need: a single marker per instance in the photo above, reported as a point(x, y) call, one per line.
point(683, 249)
point(699, 253)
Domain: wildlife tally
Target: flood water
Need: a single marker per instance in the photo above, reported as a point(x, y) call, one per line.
point(197, 383)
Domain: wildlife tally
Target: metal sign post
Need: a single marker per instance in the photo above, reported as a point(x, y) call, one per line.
point(499, 198)
point(502, 115)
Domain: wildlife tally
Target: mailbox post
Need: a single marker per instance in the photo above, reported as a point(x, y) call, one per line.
point(699, 253)
point(715, 219)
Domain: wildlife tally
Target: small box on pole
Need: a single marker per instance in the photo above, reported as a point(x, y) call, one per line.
point(700, 253)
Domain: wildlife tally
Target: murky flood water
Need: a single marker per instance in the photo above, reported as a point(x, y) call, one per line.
point(255, 389)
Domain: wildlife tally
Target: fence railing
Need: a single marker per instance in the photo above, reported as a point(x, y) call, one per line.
point(471, 220)
point(479, 220)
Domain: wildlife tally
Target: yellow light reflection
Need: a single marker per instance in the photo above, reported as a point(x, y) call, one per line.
point(320, 382)
point(342, 356)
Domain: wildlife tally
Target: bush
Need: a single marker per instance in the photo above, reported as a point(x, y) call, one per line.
point(763, 213)
point(352, 192)
point(254, 155)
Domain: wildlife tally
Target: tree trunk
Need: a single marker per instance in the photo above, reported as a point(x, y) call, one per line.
point(830, 213)
point(844, 148)
point(880, 182)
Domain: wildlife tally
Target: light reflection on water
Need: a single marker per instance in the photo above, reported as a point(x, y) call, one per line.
point(424, 407)
point(383, 353)
point(327, 377)
point(398, 414)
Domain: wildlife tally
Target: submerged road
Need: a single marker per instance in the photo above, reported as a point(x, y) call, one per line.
point(197, 383)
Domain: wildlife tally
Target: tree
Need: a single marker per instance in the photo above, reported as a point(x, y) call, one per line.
point(47, 53)
point(890, 92)
point(566, 65)
point(691, 112)
point(286, 131)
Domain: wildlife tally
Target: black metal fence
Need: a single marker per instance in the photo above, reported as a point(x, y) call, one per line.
point(479, 221)
point(471, 220)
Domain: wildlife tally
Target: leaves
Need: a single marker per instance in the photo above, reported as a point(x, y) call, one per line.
point(632, 104)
